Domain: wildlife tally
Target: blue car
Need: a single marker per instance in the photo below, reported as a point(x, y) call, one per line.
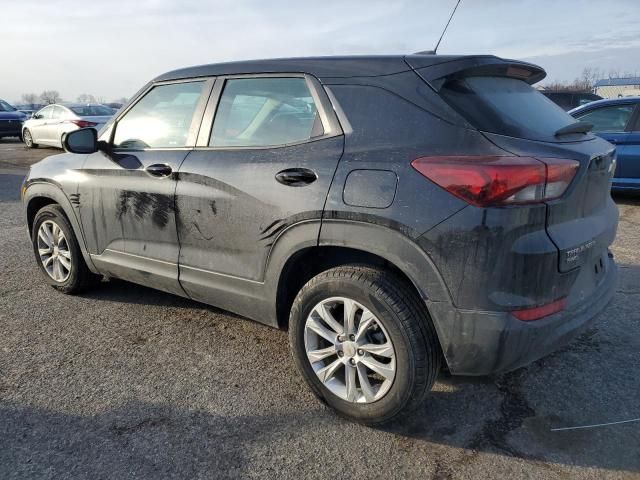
point(618, 122)
point(11, 121)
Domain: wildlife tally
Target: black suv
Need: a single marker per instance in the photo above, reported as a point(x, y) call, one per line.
point(394, 213)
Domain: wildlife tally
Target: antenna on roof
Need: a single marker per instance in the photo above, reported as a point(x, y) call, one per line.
point(435, 50)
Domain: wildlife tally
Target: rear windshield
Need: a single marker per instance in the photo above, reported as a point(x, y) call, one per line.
point(506, 106)
point(92, 111)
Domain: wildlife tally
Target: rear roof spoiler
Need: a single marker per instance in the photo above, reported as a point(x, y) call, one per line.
point(434, 67)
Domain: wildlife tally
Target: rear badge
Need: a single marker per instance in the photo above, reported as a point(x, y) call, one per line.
point(574, 254)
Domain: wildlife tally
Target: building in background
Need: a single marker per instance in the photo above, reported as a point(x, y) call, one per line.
point(618, 87)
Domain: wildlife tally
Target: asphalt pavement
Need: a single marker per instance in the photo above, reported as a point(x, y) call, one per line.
point(126, 382)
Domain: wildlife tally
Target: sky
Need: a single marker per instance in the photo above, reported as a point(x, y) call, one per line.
point(111, 48)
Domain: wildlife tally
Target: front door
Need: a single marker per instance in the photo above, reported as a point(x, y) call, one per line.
point(265, 165)
point(127, 195)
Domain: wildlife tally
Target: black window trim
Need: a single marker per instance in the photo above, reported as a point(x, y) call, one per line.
point(330, 123)
point(109, 130)
point(634, 121)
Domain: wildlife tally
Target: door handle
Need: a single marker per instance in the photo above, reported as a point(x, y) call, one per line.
point(296, 177)
point(159, 170)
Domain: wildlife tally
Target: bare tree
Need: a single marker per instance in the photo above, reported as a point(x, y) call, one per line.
point(50, 96)
point(121, 100)
point(29, 98)
point(86, 98)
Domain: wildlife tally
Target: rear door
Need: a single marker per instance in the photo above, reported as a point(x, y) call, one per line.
point(127, 193)
point(262, 166)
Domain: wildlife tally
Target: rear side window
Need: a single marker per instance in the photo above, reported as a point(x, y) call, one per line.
point(92, 111)
point(262, 112)
point(161, 119)
point(506, 106)
point(608, 119)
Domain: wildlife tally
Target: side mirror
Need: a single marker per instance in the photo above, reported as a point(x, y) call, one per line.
point(84, 140)
point(36, 116)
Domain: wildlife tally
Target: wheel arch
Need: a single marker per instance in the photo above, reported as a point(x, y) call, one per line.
point(40, 194)
point(297, 257)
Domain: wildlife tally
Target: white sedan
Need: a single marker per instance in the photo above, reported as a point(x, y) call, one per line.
point(49, 124)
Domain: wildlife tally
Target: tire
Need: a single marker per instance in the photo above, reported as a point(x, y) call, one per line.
point(28, 139)
point(72, 274)
point(400, 318)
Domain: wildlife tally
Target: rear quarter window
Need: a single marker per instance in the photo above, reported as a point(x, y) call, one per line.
point(505, 106)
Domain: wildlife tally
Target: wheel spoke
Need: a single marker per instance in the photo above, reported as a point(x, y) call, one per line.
point(315, 326)
point(365, 385)
point(350, 309)
point(325, 314)
point(350, 382)
point(64, 253)
point(44, 251)
point(382, 350)
point(43, 234)
point(380, 368)
point(48, 261)
point(56, 234)
point(65, 262)
point(366, 321)
point(317, 355)
point(57, 274)
point(329, 371)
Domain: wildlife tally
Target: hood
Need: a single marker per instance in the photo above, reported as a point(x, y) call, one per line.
point(17, 115)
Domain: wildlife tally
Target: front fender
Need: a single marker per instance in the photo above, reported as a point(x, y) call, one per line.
point(39, 188)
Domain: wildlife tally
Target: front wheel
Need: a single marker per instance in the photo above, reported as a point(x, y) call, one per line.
point(27, 138)
point(57, 252)
point(364, 343)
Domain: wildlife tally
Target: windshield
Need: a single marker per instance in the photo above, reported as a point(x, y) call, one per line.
point(506, 106)
point(5, 107)
point(92, 111)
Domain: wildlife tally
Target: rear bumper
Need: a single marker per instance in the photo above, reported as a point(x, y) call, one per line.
point(481, 343)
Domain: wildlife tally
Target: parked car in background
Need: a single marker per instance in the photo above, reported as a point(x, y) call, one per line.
point(49, 124)
point(569, 100)
point(29, 108)
point(618, 121)
point(115, 106)
point(394, 213)
point(11, 120)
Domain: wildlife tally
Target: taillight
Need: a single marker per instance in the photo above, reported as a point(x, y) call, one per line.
point(536, 313)
point(486, 181)
point(83, 123)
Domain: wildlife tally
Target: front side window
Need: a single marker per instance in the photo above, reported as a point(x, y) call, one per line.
point(161, 119)
point(608, 119)
point(262, 112)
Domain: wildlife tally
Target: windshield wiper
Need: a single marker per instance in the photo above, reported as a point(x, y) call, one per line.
point(577, 127)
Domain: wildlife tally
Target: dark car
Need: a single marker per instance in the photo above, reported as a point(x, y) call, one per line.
point(394, 213)
point(618, 122)
point(568, 100)
point(11, 121)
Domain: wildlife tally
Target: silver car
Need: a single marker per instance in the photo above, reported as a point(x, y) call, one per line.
point(49, 124)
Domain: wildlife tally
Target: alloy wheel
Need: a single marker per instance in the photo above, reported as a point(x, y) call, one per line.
point(349, 350)
point(54, 252)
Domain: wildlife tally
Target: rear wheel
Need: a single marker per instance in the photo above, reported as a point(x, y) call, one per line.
point(28, 139)
point(364, 343)
point(57, 252)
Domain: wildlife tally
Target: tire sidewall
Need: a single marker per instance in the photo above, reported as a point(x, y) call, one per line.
point(48, 213)
point(401, 390)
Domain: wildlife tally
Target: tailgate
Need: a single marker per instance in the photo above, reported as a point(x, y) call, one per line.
point(582, 223)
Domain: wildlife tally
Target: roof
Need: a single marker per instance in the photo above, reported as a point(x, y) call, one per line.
point(327, 67)
point(605, 102)
point(610, 82)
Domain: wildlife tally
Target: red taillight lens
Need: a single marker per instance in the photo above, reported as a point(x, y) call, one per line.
point(536, 313)
point(83, 123)
point(495, 181)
